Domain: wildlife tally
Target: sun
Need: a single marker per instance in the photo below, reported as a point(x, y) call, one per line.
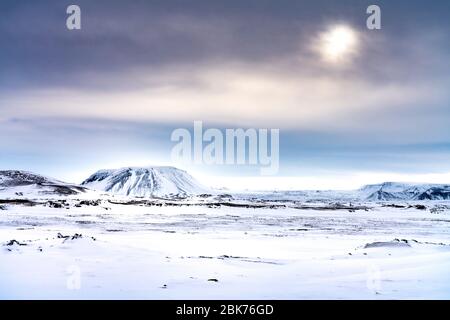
point(338, 43)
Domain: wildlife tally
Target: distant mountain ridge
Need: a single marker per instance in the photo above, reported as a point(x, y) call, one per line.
point(145, 182)
point(388, 191)
point(170, 182)
point(17, 182)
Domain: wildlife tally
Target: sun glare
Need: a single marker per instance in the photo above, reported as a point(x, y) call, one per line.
point(338, 43)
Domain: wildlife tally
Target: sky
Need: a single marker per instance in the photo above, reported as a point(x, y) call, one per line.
point(352, 105)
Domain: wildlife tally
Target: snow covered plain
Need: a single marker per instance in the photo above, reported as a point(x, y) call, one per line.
point(215, 248)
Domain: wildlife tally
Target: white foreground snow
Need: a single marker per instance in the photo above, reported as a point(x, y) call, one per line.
point(170, 252)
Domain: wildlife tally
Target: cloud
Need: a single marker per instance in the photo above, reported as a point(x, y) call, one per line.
point(138, 66)
point(243, 67)
point(241, 95)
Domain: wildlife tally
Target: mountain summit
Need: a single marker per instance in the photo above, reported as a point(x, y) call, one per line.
point(145, 182)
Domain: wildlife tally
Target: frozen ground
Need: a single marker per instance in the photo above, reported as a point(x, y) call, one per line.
point(205, 251)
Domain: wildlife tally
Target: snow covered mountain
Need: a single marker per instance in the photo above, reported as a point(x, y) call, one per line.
point(15, 183)
point(170, 182)
point(388, 191)
point(145, 182)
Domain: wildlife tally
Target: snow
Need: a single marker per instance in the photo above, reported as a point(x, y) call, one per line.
point(136, 251)
point(401, 191)
point(145, 182)
point(153, 233)
point(23, 184)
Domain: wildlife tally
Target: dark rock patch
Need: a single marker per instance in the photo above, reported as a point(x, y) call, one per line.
point(15, 242)
point(73, 237)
